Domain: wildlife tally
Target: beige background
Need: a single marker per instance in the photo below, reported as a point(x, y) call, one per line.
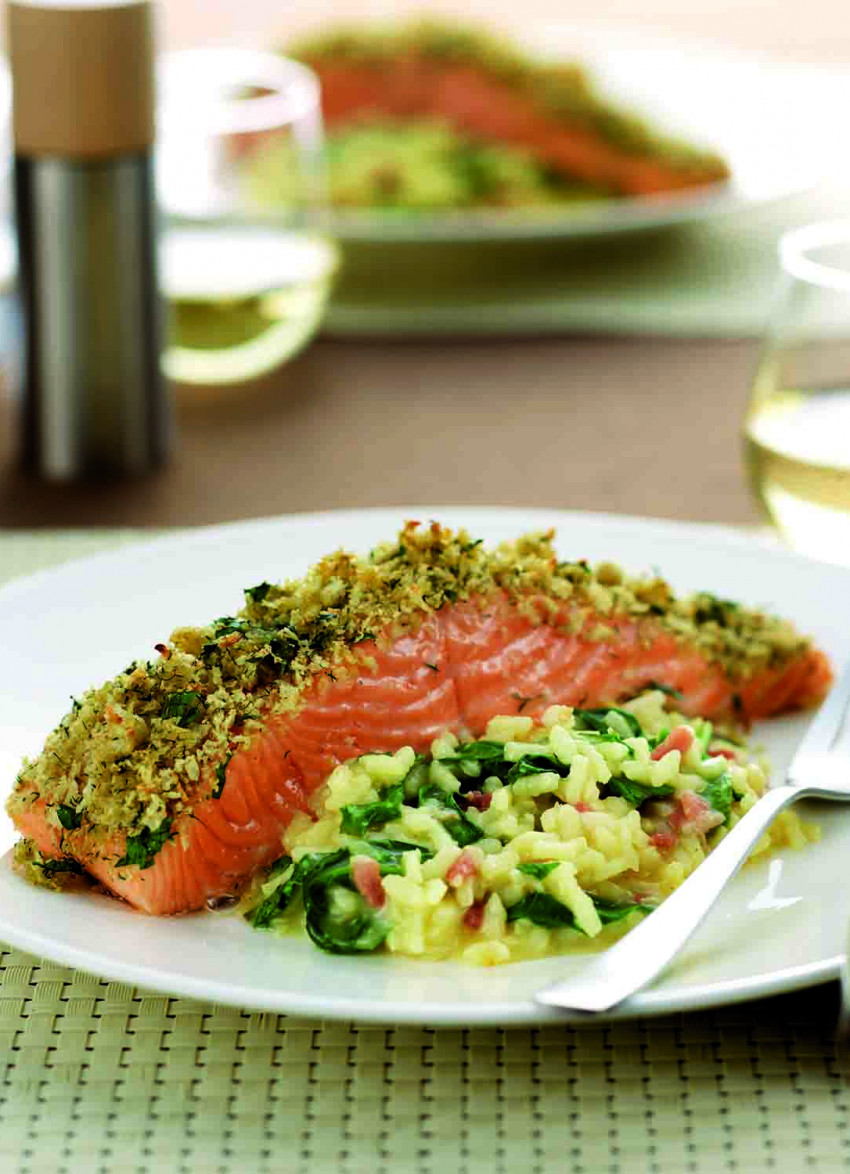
point(817, 30)
point(637, 425)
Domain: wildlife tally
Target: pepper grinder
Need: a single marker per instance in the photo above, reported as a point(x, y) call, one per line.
point(94, 401)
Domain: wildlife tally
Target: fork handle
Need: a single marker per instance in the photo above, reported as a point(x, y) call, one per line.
point(643, 953)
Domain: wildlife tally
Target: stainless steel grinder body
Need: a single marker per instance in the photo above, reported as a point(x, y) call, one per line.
point(94, 400)
point(95, 403)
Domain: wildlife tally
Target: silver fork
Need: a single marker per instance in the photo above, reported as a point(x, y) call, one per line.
point(610, 977)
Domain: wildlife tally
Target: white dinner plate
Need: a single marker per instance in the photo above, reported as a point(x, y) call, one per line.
point(780, 925)
point(776, 124)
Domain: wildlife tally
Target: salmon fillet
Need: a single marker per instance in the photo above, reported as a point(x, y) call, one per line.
point(431, 635)
point(486, 108)
point(489, 91)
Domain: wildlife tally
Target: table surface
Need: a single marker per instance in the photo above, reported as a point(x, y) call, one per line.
point(636, 426)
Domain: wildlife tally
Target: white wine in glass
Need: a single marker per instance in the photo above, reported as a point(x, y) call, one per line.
point(246, 281)
point(797, 430)
point(242, 299)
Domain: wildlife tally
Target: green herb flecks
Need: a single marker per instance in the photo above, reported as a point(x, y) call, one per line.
point(141, 849)
point(221, 777)
point(184, 706)
point(69, 817)
point(258, 594)
point(710, 609)
point(65, 864)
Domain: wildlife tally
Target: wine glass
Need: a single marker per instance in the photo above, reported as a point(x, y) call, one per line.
point(797, 428)
point(246, 274)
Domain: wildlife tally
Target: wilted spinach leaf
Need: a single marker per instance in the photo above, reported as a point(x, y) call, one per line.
point(543, 909)
point(278, 900)
point(538, 868)
point(357, 818)
point(477, 752)
point(719, 794)
point(535, 764)
point(338, 918)
point(676, 694)
point(461, 829)
point(624, 725)
point(635, 793)
point(389, 853)
point(609, 912)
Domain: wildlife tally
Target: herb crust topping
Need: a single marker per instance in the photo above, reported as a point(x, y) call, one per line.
point(140, 750)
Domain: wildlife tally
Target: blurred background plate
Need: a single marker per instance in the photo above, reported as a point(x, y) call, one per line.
point(778, 125)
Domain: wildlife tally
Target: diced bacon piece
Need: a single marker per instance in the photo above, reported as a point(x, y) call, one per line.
point(700, 815)
point(693, 805)
point(366, 874)
point(677, 818)
point(474, 917)
point(694, 815)
point(664, 841)
point(463, 868)
point(681, 739)
point(480, 800)
point(582, 806)
point(723, 752)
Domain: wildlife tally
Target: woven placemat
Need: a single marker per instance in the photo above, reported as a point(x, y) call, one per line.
point(101, 1078)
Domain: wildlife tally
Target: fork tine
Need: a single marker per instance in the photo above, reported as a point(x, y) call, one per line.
point(827, 723)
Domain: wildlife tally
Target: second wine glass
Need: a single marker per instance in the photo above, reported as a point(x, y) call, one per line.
point(797, 429)
point(246, 282)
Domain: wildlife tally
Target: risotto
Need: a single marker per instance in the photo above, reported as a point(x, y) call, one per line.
point(534, 840)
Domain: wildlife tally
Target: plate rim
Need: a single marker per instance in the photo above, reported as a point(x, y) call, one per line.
point(653, 1001)
point(724, 534)
point(649, 1003)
